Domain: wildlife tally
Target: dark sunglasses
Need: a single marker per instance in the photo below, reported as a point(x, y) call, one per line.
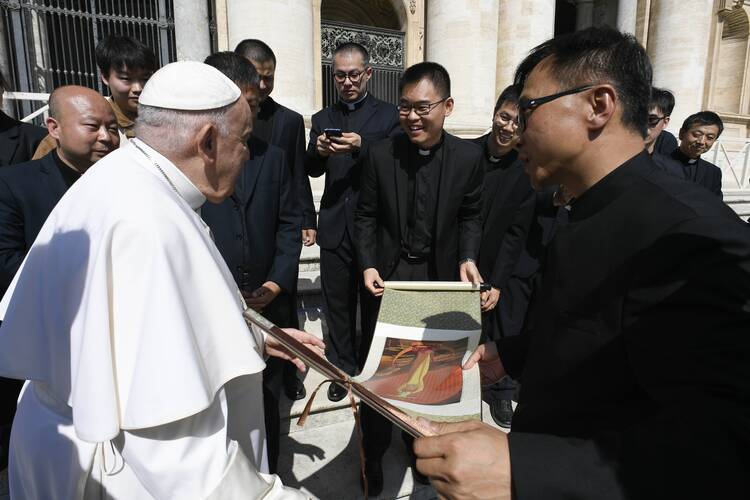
point(653, 120)
point(526, 106)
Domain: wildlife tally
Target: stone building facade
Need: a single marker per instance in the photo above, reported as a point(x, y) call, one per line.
point(699, 48)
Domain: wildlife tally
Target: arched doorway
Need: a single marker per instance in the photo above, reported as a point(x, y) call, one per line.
point(378, 25)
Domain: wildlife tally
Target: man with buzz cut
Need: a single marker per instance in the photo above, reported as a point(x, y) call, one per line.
point(282, 127)
point(419, 217)
point(634, 372)
point(125, 65)
point(353, 124)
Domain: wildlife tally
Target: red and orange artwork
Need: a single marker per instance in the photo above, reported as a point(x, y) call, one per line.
point(421, 372)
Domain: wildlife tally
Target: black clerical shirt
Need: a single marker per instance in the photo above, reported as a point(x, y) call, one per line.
point(421, 198)
point(351, 117)
point(695, 170)
point(69, 175)
point(263, 126)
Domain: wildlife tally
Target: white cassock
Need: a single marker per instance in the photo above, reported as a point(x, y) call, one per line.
point(144, 380)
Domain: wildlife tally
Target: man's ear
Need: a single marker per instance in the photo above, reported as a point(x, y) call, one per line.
point(449, 106)
point(105, 79)
point(666, 121)
point(53, 128)
point(207, 143)
point(603, 102)
point(681, 135)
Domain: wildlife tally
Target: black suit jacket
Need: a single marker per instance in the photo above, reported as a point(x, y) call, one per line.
point(635, 373)
point(380, 217)
point(507, 211)
point(379, 120)
point(257, 229)
point(707, 174)
point(28, 193)
point(18, 140)
point(289, 134)
point(665, 143)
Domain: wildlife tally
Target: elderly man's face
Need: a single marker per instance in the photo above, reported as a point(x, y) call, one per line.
point(555, 133)
point(232, 150)
point(85, 129)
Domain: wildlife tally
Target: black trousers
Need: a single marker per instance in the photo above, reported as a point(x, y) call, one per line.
point(341, 284)
point(9, 390)
point(506, 320)
point(376, 430)
point(276, 371)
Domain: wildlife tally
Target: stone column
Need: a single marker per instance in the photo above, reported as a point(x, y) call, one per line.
point(627, 12)
point(415, 33)
point(462, 36)
point(287, 27)
point(521, 27)
point(584, 14)
point(679, 36)
point(192, 36)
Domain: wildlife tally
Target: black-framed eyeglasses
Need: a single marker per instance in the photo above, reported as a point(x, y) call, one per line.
point(354, 76)
point(525, 105)
point(653, 120)
point(421, 109)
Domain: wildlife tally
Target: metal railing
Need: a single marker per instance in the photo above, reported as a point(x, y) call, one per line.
point(732, 155)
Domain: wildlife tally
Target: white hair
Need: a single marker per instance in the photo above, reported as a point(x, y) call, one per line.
point(176, 127)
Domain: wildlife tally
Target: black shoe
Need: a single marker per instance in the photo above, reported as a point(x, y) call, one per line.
point(294, 388)
point(374, 475)
point(502, 412)
point(337, 393)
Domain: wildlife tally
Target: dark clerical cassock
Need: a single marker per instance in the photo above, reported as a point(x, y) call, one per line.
point(695, 170)
point(257, 230)
point(340, 277)
point(635, 374)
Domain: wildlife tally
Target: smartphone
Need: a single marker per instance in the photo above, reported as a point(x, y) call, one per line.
point(332, 132)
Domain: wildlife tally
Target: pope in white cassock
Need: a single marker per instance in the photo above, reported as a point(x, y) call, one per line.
point(144, 382)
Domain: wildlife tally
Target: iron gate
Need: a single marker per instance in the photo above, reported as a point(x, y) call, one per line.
point(51, 42)
point(386, 49)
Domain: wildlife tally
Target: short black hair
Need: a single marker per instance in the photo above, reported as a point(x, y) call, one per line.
point(431, 71)
point(703, 118)
point(511, 94)
point(662, 99)
point(349, 47)
point(594, 56)
point(235, 67)
point(118, 52)
point(255, 50)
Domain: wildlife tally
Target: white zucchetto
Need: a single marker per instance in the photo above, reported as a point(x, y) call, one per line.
point(189, 86)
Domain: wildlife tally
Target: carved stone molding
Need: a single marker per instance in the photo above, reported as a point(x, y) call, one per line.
point(386, 48)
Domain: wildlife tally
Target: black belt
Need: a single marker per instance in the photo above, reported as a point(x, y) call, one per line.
point(414, 258)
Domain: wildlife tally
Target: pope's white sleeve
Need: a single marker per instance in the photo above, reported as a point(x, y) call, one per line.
point(194, 458)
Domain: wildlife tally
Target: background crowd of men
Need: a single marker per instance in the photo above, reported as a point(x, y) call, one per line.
point(403, 200)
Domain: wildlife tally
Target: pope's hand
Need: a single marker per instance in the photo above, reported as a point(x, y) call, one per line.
point(491, 367)
point(468, 460)
point(276, 349)
point(373, 282)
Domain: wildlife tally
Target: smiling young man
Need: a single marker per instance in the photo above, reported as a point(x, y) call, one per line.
point(507, 212)
point(362, 119)
point(418, 218)
point(697, 134)
point(634, 372)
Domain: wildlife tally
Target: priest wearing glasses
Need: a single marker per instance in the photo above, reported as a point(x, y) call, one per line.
point(340, 137)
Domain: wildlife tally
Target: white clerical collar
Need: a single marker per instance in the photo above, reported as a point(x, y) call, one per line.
point(494, 159)
point(692, 160)
point(424, 152)
point(351, 106)
point(174, 176)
